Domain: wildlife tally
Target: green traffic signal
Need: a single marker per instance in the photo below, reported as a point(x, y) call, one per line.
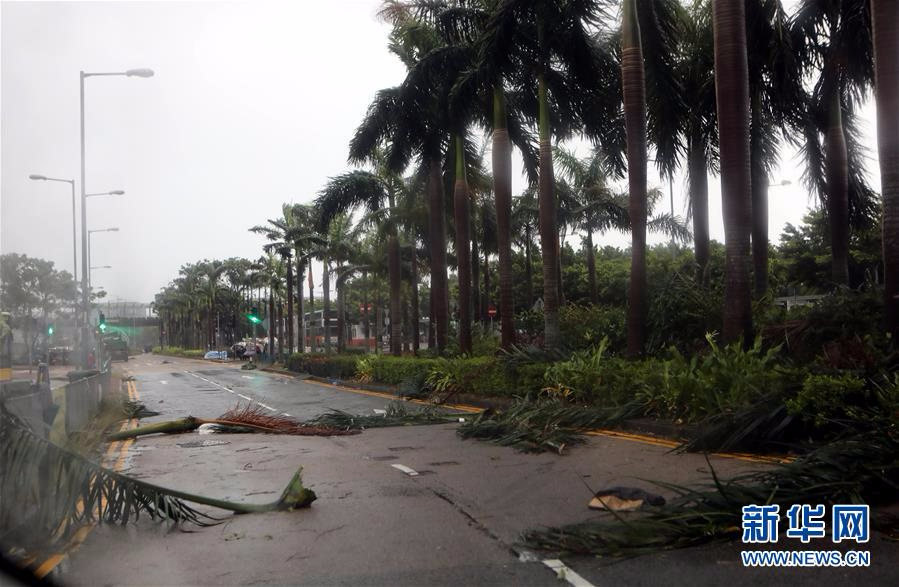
point(253, 316)
point(50, 330)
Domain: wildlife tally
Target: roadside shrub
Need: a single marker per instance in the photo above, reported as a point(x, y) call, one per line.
point(180, 352)
point(394, 370)
point(723, 380)
point(480, 375)
point(582, 326)
point(323, 365)
point(827, 397)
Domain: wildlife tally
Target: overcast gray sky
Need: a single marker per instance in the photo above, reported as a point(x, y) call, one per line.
point(252, 105)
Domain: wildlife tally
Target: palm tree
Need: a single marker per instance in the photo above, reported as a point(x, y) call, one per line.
point(696, 67)
point(377, 193)
point(550, 41)
point(212, 272)
point(886, 61)
point(634, 93)
point(597, 208)
point(525, 217)
point(732, 98)
point(833, 40)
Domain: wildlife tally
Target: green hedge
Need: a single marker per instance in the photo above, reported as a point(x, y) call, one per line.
point(394, 370)
point(488, 376)
point(179, 352)
point(323, 365)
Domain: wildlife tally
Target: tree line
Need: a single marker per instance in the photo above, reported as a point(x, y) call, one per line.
point(708, 87)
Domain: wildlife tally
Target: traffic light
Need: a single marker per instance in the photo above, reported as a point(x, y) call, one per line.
point(102, 323)
point(253, 316)
point(50, 330)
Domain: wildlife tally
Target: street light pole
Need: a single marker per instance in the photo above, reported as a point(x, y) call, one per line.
point(89, 235)
point(71, 182)
point(85, 295)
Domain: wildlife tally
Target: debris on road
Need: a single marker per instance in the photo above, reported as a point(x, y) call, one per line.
point(135, 409)
point(79, 491)
point(624, 499)
point(238, 419)
point(538, 425)
point(397, 414)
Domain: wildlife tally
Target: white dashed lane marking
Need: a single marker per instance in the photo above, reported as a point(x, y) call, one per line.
point(565, 572)
point(407, 470)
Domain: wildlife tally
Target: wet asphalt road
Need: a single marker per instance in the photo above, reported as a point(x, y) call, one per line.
point(457, 522)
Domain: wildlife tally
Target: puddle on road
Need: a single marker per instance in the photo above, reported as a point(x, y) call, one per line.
point(442, 463)
point(402, 448)
point(384, 458)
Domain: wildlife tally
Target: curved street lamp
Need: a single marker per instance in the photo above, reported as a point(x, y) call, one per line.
point(85, 296)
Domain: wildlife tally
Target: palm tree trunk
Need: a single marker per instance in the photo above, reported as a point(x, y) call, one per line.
point(270, 331)
point(280, 331)
point(432, 334)
point(548, 230)
point(312, 345)
point(437, 235)
point(289, 303)
point(463, 251)
point(559, 250)
point(886, 63)
point(502, 192)
point(634, 90)
point(760, 232)
point(341, 326)
point(485, 317)
point(393, 270)
point(591, 269)
point(528, 268)
point(699, 198)
point(301, 315)
point(416, 334)
point(837, 171)
point(732, 95)
point(366, 327)
point(405, 325)
point(326, 305)
point(476, 281)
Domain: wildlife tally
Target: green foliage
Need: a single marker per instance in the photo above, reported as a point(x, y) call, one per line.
point(323, 365)
point(824, 397)
point(177, 351)
point(480, 375)
point(582, 325)
point(721, 380)
point(394, 370)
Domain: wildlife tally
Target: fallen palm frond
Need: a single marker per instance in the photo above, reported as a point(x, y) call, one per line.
point(237, 419)
point(133, 409)
point(864, 469)
point(52, 491)
point(395, 414)
point(543, 424)
point(765, 425)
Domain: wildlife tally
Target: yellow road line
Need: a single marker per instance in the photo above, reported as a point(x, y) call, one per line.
point(82, 533)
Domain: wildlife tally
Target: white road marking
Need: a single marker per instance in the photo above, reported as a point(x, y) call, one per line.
point(407, 470)
point(269, 408)
point(380, 412)
point(286, 414)
point(164, 382)
point(246, 376)
point(249, 399)
point(565, 572)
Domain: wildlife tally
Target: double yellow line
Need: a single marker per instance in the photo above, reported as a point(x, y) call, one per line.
point(120, 447)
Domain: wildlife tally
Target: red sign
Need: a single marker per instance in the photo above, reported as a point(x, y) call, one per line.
point(491, 310)
point(364, 307)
